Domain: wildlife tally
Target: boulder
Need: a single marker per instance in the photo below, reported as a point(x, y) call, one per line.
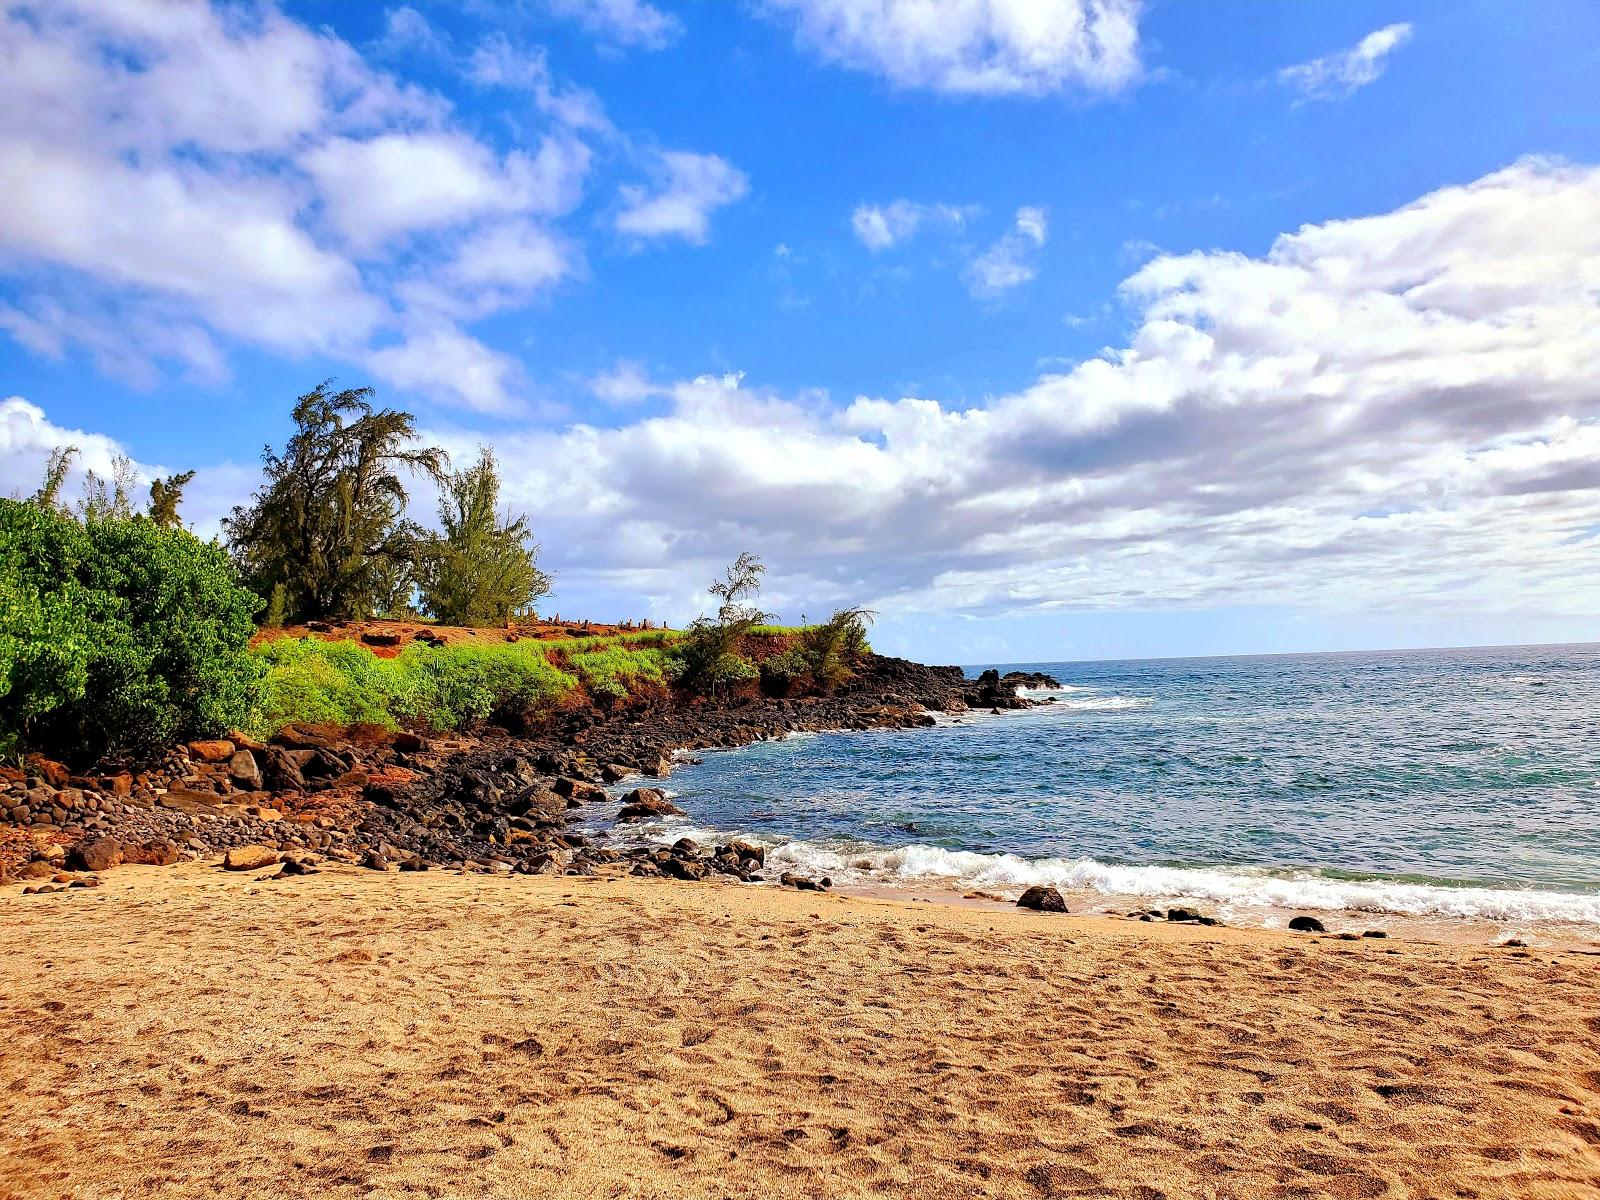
point(686, 848)
point(35, 870)
point(249, 858)
point(98, 854)
point(685, 868)
point(643, 803)
point(800, 882)
point(1042, 898)
point(748, 851)
point(1184, 915)
point(1306, 925)
point(578, 789)
point(612, 772)
point(244, 771)
point(215, 751)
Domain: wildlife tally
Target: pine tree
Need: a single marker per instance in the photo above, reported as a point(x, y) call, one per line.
point(329, 524)
point(483, 568)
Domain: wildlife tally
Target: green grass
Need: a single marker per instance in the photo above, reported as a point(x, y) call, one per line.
point(447, 687)
point(452, 686)
point(615, 670)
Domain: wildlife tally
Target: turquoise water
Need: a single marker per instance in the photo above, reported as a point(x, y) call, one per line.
point(1440, 782)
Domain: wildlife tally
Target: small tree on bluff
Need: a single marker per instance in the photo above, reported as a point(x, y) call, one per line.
point(326, 535)
point(708, 656)
point(483, 568)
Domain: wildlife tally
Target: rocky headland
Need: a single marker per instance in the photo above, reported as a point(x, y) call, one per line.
point(495, 800)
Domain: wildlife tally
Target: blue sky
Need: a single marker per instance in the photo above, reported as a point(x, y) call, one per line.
point(1049, 329)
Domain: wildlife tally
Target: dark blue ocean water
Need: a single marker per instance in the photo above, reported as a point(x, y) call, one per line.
point(1442, 782)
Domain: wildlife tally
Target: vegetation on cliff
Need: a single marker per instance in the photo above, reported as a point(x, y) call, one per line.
point(121, 631)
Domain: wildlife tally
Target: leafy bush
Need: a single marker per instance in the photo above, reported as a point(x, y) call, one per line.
point(44, 634)
point(116, 634)
point(783, 669)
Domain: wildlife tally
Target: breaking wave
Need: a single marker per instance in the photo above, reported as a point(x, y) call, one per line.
point(1009, 874)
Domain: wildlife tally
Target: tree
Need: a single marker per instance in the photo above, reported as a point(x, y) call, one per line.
point(832, 649)
point(107, 498)
point(165, 496)
point(708, 656)
point(328, 526)
point(55, 474)
point(483, 568)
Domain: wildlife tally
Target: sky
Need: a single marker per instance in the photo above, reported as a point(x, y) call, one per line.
point(1048, 329)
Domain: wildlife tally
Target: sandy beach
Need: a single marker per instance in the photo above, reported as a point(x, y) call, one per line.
point(187, 1032)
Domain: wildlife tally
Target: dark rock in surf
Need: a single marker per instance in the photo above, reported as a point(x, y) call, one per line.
point(1307, 925)
point(1042, 898)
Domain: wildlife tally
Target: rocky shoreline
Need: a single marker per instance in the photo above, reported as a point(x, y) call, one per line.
point(493, 801)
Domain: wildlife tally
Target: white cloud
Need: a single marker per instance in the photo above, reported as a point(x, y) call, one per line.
point(625, 383)
point(201, 174)
point(397, 183)
point(1335, 76)
point(441, 358)
point(881, 226)
point(689, 189)
point(496, 62)
point(1009, 262)
point(27, 438)
point(631, 23)
point(994, 47)
point(1380, 413)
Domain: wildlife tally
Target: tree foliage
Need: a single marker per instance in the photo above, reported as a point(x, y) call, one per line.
point(708, 657)
point(483, 568)
point(328, 526)
point(165, 496)
point(116, 634)
point(832, 649)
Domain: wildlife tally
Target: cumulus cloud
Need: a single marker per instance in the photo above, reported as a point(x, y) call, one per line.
point(881, 226)
point(1379, 413)
point(203, 175)
point(1335, 76)
point(689, 188)
point(985, 47)
point(1009, 262)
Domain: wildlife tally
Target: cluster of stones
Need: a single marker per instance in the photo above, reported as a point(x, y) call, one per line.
point(501, 802)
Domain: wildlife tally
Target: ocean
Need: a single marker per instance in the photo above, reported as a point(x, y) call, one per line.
point(1427, 783)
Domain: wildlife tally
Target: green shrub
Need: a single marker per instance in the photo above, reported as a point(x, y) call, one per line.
point(616, 669)
point(44, 634)
point(783, 669)
point(117, 635)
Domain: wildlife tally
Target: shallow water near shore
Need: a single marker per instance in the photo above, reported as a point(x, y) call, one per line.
point(1440, 784)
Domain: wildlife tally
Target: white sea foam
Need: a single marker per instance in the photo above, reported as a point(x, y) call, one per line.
point(931, 865)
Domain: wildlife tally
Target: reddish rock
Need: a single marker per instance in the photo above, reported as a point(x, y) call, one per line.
point(217, 750)
point(120, 784)
point(249, 858)
point(98, 854)
point(50, 771)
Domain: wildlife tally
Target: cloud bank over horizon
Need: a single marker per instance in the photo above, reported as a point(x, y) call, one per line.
point(1379, 414)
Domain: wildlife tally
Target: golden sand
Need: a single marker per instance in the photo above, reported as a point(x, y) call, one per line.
point(189, 1033)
